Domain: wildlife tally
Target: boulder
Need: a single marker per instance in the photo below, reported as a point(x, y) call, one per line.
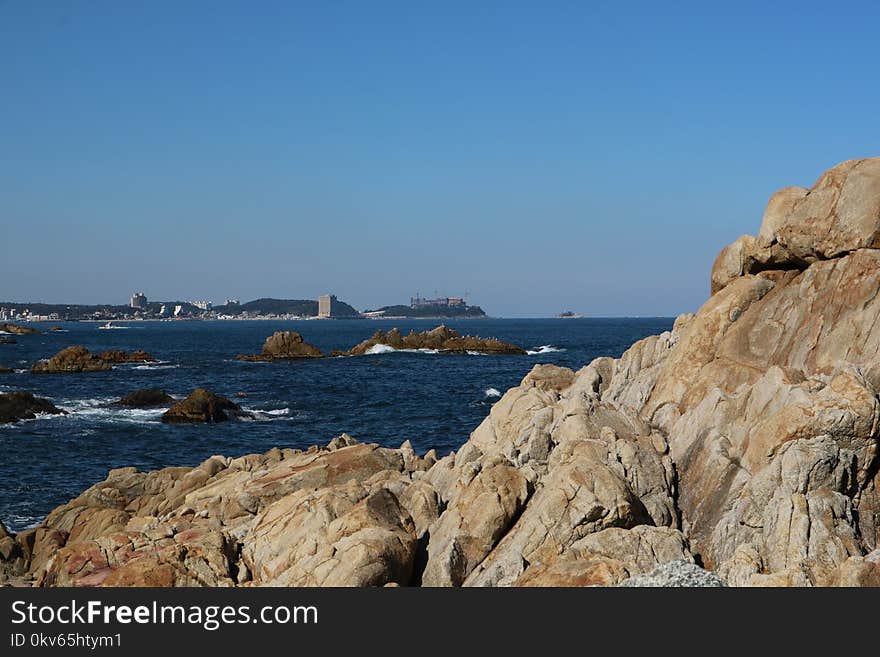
point(15, 406)
point(71, 359)
point(119, 356)
point(441, 338)
point(146, 398)
point(203, 406)
point(17, 329)
point(284, 345)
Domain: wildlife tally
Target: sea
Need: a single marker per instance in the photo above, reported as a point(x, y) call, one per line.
point(434, 400)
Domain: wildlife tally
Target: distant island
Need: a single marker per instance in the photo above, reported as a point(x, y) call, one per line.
point(325, 307)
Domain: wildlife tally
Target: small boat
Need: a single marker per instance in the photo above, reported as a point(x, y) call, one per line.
point(569, 315)
point(108, 325)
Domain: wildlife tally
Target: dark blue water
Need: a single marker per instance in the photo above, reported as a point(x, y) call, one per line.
point(434, 400)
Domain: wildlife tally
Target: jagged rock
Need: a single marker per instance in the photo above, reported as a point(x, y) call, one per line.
point(71, 359)
point(675, 574)
point(203, 406)
point(17, 329)
point(146, 398)
point(284, 345)
point(608, 557)
point(15, 406)
point(441, 338)
point(119, 356)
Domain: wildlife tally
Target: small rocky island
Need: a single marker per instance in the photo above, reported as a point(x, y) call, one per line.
point(71, 359)
point(203, 406)
point(120, 356)
point(284, 345)
point(79, 359)
point(17, 329)
point(146, 398)
point(745, 441)
point(441, 338)
point(15, 406)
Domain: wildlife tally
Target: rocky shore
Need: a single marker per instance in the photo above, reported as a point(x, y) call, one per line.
point(743, 442)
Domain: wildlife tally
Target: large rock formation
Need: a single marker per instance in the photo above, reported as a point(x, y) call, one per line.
point(120, 356)
point(284, 345)
point(17, 329)
point(203, 406)
point(743, 441)
point(15, 406)
point(441, 338)
point(71, 359)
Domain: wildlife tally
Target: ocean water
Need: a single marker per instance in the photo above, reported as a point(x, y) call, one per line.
point(433, 400)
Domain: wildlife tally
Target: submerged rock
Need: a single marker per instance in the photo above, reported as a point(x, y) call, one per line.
point(72, 359)
point(284, 345)
point(5, 370)
point(119, 356)
point(146, 398)
point(17, 329)
point(6, 340)
point(15, 406)
point(203, 406)
point(441, 338)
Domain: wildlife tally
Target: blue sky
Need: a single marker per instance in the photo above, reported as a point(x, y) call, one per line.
point(540, 156)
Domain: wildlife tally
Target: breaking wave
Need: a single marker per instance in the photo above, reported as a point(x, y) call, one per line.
point(544, 349)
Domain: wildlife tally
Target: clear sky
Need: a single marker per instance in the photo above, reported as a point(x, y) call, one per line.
point(542, 156)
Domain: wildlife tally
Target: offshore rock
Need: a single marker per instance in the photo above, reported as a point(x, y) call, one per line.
point(15, 406)
point(119, 356)
point(146, 398)
point(441, 338)
point(71, 359)
point(17, 329)
point(203, 406)
point(284, 345)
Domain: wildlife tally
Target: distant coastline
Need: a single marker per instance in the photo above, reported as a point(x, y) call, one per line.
point(325, 307)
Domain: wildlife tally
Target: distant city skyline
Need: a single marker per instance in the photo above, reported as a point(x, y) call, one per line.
point(543, 157)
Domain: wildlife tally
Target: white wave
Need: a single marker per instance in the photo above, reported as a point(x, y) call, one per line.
point(276, 414)
point(477, 353)
point(492, 392)
point(380, 349)
point(544, 349)
point(24, 522)
point(155, 366)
